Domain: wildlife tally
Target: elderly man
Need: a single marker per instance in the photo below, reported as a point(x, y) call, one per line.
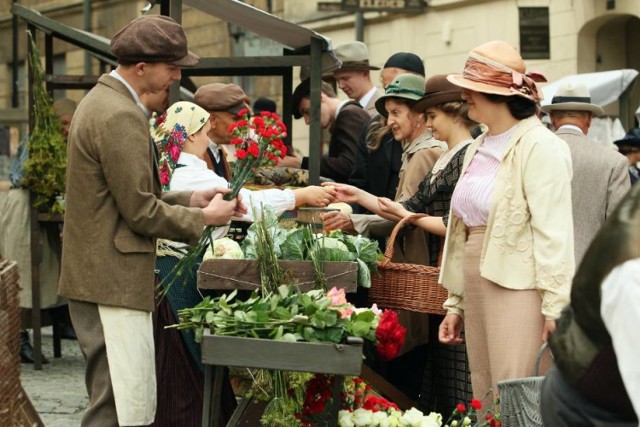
point(353, 76)
point(223, 102)
point(600, 177)
point(344, 119)
point(114, 211)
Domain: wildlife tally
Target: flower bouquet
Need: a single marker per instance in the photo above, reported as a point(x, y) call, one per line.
point(258, 144)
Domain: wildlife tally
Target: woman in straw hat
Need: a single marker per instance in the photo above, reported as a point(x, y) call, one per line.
point(508, 257)
point(178, 361)
point(447, 118)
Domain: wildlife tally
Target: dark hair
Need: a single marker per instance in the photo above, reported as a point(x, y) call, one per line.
point(519, 107)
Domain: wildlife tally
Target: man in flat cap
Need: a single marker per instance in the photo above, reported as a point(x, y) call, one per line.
point(354, 77)
point(114, 211)
point(344, 119)
point(600, 177)
point(223, 102)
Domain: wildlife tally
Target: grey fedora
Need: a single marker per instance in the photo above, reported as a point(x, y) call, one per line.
point(572, 96)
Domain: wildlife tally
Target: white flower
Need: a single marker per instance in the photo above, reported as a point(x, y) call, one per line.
point(344, 419)
point(466, 421)
point(412, 417)
point(380, 419)
point(362, 417)
point(432, 420)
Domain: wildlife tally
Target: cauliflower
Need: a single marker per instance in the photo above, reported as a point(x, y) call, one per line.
point(224, 248)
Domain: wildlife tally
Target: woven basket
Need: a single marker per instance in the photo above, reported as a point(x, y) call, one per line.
point(10, 387)
point(520, 398)
point(402, 286)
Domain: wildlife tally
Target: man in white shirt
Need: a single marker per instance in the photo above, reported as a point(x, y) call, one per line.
point(353, 76)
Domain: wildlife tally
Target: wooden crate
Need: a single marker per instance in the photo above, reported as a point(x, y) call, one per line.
point(244, 274)
point(323, 358)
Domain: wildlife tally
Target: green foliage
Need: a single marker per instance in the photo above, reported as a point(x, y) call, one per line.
point(45, 169)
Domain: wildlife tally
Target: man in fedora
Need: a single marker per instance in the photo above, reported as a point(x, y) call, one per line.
point(599, 174)
point(629, 146)
point(344, 119)
point(353, 76)
point(223, 102)
point(115, 209)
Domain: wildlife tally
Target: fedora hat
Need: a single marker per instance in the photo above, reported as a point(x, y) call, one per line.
point(573, 96)
point(405, 86)
point(354, 57)
point(497, 68)
point(438, 90)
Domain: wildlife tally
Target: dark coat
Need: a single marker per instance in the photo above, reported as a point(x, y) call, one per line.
point(340, 162)
point(114, 204)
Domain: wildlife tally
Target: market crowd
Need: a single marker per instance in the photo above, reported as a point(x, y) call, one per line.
point(532, 225)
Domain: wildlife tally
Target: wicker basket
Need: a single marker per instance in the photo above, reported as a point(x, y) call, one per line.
point(402, 286)
point(10, 388)
point(520, 398)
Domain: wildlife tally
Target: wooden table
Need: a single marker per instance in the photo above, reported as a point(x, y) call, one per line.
point(324, 358)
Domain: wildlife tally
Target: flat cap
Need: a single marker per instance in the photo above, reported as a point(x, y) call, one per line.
point(153, 38)
point(221, 97)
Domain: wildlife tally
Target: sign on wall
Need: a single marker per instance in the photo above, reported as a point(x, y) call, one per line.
point(534, 33)
point(404, 6)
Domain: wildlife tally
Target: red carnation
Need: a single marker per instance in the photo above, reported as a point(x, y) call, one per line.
point(461, 408)
point(475, 404)
point(243, 112)
point(241, 154)
point(390, 335)
point(265, 113)
point(253, 149)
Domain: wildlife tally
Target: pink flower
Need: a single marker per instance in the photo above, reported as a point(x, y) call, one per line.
point(376, 310)
point(164, 177)
point(346, 312)
point(174, 151)
point(337, 296)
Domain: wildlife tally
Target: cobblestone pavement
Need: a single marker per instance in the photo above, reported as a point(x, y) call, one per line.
point(57, 391)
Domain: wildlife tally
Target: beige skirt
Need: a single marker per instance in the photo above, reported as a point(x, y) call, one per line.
point(503, 326)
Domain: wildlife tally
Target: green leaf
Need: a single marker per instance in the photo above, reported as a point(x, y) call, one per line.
point(290, 337)
point(360, 328)
point(364, 275)
point(208, 318)
point(365, 316)
point(293, 245)
point(334, 335)
point(198, 333)
point(281, 313)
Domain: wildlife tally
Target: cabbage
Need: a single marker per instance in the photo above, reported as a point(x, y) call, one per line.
point(224, 248)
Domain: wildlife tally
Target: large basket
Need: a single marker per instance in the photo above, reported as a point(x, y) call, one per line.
point(10, 388)
point(403, 286)
point(520, 398)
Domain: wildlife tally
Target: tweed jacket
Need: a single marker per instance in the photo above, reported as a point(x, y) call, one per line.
point(412, 245)
point(114, 204)
point(529, 239)
point(340, 161)
point(600, 181)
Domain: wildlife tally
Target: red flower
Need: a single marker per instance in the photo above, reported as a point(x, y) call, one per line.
point(232, 127)
point(475, 404)
point(258, 121)
point(253, 149)
point(390, 335)
point(265, 113)
point(243, 112)
point(241, 154)
point(461, 408)
point(237, 141)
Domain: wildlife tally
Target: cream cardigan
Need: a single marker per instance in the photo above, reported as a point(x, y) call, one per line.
point(529, 239)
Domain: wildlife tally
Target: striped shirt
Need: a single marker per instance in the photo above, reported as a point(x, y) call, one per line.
point(471, 198)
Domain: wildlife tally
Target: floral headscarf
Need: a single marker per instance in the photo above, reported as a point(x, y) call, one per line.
point(170, 131)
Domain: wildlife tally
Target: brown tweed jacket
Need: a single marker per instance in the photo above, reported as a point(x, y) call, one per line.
point(115, 207)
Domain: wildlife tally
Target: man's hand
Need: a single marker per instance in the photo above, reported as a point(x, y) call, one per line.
point(201, 198)
point(219, 211)
point(241, 208)
point(336, 221)
point(291, 162)
point(450, 329)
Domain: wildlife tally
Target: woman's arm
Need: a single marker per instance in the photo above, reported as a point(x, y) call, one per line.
point(395, 211)
point(350, 194)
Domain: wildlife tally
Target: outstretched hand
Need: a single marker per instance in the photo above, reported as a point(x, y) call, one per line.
point(315, 196)
point(344, 192)
point(336, 220)
point(390, 207)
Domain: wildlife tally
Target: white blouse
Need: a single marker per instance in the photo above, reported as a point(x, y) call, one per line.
point(193, 174)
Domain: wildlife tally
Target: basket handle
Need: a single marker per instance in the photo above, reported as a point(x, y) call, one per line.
point(543, 347)
point(388, 252)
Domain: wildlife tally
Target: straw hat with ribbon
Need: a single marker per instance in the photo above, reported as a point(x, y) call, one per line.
point(573, 96)
point(497, 68)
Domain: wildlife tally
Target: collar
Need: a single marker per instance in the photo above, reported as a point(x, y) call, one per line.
point(188, 159)
point(570, 127)
point(422, 141)
point(136, 98)
point(367, 97)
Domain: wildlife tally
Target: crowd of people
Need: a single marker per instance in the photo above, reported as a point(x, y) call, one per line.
point(511, 210)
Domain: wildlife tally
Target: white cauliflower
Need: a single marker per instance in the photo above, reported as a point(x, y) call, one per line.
point(224, 248)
